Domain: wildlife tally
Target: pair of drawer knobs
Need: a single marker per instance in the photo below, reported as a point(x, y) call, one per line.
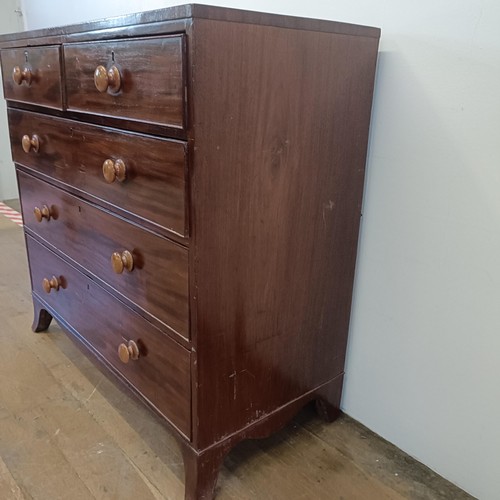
point(119, 261)
point(126, 352)
point(22, 75)
point(112, 170)
point(104, 79)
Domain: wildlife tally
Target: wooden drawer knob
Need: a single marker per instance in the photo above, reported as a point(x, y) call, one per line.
point(30, 143)
point(42, 213)
point(22, 75)
point(121, 261)
point(107, 79)
point(128, 351)
point(48, 285)
point(114, 170)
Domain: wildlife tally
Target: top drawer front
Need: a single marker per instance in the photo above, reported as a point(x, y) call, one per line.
point(146, 81)
point(37, 74)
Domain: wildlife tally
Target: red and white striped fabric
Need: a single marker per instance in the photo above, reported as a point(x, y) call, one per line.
point(11, 214)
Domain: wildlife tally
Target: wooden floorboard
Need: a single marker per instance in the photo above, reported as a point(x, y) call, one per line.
point(69, 431)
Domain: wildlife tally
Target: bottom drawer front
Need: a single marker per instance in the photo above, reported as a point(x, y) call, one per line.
point(162, 371)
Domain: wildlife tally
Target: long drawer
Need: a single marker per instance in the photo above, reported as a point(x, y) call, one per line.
point(140, 79)
point(132, 173)
point(146, 269)
point(161, 372)
point(33, 75)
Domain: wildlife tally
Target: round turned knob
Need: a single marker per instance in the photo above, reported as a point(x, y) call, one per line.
point(107, 79)
point(48, 285)
point(113, 170)
point(128, 351)
point(42, 213)
point(29, 143)
point(22, 75)
point(121, 261)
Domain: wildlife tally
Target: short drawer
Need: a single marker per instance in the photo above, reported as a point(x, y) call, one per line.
point(161, 372)
point(132, 173)
point(33, 75)
point(141, 79)
point(149, 271)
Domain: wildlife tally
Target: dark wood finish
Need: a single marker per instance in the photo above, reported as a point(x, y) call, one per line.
point(32, 75)
point(327, 400)
point(74, 153)
point(283, 256)
point(201, 471)
point(202, 467)
point(158, 286)
point(151, 87)
point(162, 372)
point(41, 318)
point(275, 113)
point(108, 121)
point(146, 22)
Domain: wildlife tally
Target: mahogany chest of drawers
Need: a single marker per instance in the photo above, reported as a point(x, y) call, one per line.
point(191, 183)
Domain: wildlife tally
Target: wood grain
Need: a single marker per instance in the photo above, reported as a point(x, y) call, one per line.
point(169, 19)
point(162, 372)
point(73, 153)
point(152, 79)
point(275, 111)
point(44, 63)
point(278, 230)
point(158, 285)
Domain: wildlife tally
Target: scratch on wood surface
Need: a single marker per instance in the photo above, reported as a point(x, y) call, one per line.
point(233, 376)
point(327, 206)
point(249, 373)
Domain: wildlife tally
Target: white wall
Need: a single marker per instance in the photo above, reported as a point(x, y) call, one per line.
point(10, 21)
point(423, 366)
point(46, 13)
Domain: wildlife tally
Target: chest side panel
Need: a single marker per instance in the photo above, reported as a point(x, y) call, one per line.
point(281, 122)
